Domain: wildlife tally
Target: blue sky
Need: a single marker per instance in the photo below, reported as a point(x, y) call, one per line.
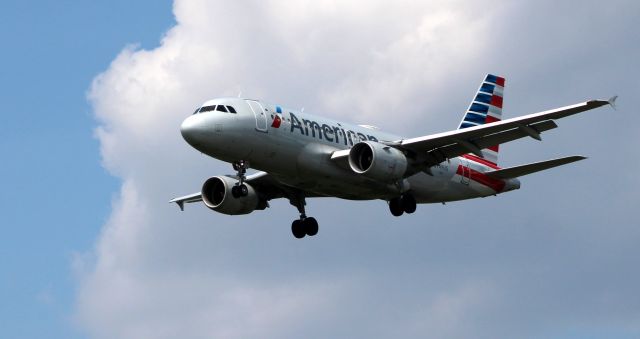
point(90, 247)
point(56, 195)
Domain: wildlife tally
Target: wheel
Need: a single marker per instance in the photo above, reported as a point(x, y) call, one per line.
point(310, 226)
point(235, 192)
point(244, 191)
point(395, 207)
point(298, 229)
point(408, 203)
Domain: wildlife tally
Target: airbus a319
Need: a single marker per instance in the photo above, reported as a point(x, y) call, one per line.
point(300, 156)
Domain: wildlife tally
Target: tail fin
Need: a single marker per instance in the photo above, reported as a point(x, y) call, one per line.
point(486, 108)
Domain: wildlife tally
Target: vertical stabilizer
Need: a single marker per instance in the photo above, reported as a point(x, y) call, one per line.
point(486, 108)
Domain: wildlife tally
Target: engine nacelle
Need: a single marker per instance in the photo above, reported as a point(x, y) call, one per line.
point(377, 161)
point(216, 194)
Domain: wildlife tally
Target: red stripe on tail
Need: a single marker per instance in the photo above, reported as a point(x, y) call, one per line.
point(496, 100)
point(489, 119)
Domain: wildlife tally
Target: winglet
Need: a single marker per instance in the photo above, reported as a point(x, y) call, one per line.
point(178, 202)
point(612, 101)
point(187, 199)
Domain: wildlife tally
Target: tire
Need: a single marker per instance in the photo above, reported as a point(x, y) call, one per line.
point(235, 192)
point(395, 206)
point(244, 191)
point(310, 226)
point(298, 229)
point(408, 203)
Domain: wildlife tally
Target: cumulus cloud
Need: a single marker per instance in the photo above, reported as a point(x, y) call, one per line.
point(544, 260)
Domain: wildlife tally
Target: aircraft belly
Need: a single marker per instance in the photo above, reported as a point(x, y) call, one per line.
point(309, 167)
point(425, 187)
point(332, 188)
point(446, 185)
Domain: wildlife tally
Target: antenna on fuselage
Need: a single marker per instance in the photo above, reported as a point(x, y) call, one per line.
point(240, 94)
point(302, 110)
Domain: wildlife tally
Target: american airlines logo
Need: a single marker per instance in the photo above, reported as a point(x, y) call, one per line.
point(276, 121)
point(335, 134)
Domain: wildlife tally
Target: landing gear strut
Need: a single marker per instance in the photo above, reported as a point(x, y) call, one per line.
point(240, 189)
point(406, 203)
point(305, 225)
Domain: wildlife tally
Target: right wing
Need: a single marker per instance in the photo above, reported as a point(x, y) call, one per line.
point(442, 146)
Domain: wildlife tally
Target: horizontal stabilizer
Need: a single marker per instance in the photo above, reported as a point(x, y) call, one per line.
point(518, 171)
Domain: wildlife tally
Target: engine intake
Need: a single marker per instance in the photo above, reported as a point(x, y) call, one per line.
point(216, 194)
point(377, 161)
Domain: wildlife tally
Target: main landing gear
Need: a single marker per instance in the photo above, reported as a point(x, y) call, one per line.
point(405, 203)
point(240, 189)
point(300, 227)
point(305, 225)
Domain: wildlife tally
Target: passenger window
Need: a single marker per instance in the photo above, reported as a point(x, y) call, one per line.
point(221, 108)
point(231, 109)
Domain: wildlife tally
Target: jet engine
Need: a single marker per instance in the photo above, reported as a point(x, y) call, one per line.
point(216, 194)
point(377, 161)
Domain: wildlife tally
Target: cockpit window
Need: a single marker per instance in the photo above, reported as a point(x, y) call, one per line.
point(207, 108)
point(219, 108)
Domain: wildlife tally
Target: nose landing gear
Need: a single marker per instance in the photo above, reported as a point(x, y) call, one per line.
point(240, 189)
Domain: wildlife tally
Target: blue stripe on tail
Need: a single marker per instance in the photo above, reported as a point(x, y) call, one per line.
point(481, 111)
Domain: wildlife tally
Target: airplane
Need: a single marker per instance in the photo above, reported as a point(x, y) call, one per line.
point(299, 156)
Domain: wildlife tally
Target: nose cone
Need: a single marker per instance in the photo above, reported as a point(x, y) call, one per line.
point(193, 130)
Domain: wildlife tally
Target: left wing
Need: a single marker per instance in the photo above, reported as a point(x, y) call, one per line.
point(447, 145)
point(268, 187)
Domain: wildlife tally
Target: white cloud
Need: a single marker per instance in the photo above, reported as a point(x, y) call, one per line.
point(451, 271)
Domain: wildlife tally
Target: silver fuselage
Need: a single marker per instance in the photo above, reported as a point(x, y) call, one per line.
point(295, 148)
